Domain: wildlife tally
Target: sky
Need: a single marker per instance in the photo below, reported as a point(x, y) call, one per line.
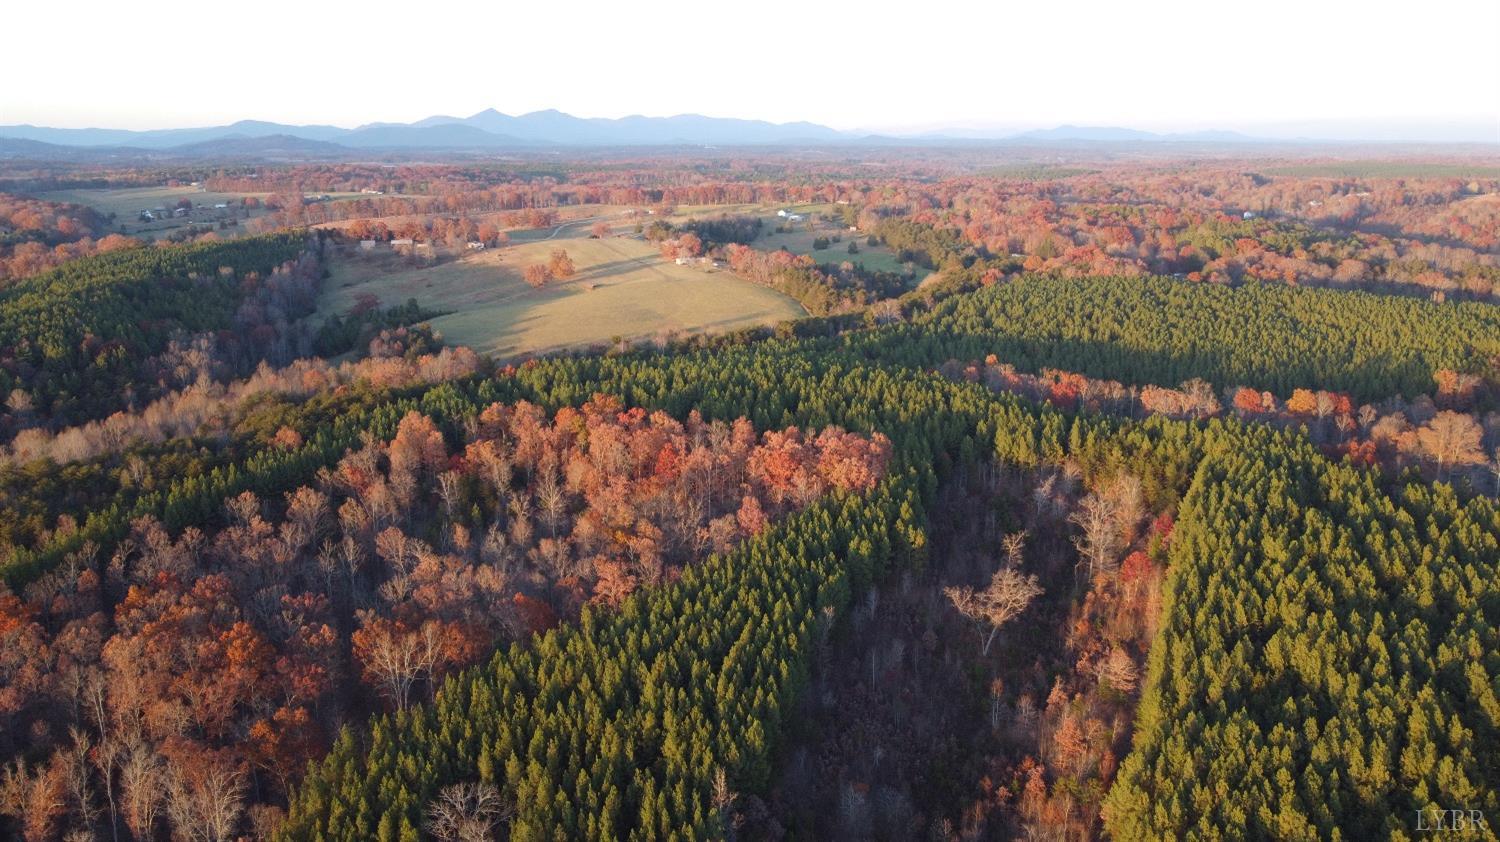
point(1275, 67)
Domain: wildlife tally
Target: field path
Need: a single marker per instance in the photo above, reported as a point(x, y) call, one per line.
point(584, 221)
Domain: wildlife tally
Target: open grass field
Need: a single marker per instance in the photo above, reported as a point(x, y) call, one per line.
point(687, 213)
point(765, 210)
point(800, 241)
point(573, 220)
point(126, 203)
point(820, 220)
point(622, 289)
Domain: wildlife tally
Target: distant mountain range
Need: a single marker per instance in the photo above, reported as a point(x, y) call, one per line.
point(491, 130)
point(488, 129)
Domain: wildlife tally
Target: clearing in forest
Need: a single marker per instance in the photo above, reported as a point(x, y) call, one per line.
point(802, 235)
point(622, 288)
point(126, 205)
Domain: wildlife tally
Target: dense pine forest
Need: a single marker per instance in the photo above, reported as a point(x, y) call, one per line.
point(1158, 330)
point(1118, 509)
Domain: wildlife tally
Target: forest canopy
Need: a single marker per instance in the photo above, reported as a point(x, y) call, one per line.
point(1132, 498)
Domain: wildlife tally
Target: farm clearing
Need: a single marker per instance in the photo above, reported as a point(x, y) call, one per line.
point(622, 289)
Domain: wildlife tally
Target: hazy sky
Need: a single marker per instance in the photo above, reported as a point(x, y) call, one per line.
point(1156, 65)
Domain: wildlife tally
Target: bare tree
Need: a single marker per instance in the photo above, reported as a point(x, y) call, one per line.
point(1015, 548)
point(80, 775)
point(38, 800)
point(306, 517)
point(106, 758)
point(1118, 670)
point(328, 563)
point(398, 657)
point(1044, 494)
point(450, 487)
point(398, 549)
point(723, 799)
point(495, 465)
point(1451, 438)
point(205, 802)
point(467, 812)
point(495, 548)
point(354, 518)
point(691, 514)
point(556, 556)
point(243, 508)
point(551, 496)
point(93, 695)
point(1008, 594)
point(141, 789)
point(1108, 518)
point(520, 520)
point(1130, 502)
point(1099, 545)
point(886, 311)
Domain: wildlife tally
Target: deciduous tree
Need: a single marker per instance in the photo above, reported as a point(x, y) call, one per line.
point(1008, 594)
point(537, 275)
point(560, 265)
